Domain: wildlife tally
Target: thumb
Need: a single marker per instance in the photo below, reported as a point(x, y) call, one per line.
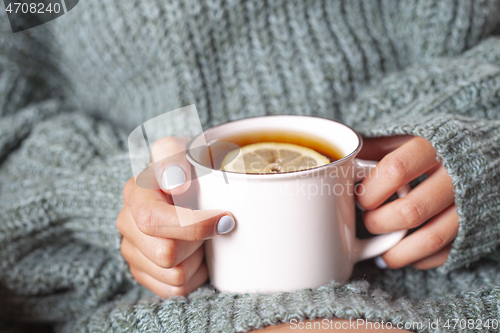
point(172, 170)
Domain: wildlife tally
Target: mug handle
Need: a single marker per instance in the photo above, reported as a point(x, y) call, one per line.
point(375, 246)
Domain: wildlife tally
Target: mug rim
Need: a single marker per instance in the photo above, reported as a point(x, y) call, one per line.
point(343, 160)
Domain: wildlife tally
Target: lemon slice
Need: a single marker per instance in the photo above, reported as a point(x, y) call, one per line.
point(272, 157)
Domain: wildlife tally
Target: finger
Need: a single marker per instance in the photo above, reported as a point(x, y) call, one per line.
point(423, 202)
point(163, 252)
point(175, 276)
point(172, 169)
point(155, 217)
point(432, 237)
point(435, 260)
point(433, 169)
point(128, 188)
point(164, 290)
point(132, 192)
point(396, 169)
point(377, 148)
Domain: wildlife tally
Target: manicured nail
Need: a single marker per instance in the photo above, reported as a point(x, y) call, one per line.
point(380, 262)
point(173, 177)
point(225, 224)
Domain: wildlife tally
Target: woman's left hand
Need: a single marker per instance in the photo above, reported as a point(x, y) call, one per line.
point(404, 159)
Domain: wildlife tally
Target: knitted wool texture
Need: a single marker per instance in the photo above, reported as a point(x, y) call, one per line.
point(72, 89)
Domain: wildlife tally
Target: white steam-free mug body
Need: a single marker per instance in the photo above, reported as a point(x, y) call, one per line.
point(293, 230)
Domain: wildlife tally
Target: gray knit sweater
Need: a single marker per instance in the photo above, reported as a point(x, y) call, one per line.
point(72, 89)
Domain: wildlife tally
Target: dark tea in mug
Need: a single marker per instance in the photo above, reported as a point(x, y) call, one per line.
point(271, 151)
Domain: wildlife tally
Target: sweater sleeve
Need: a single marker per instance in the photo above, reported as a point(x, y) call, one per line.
point(61, 177)
point(60, 196)
point(454, 103)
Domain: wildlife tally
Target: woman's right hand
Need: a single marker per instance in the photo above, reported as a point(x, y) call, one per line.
point(163, 256)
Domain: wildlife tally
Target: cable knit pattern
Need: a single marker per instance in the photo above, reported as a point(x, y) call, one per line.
point(240, 58)
point(72, 89)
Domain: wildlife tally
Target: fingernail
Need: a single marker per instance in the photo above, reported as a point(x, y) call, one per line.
point(225, 224)
point(380, 262)
point(173, 177)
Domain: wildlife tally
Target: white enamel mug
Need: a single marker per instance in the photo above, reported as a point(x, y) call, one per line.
point(293, 230)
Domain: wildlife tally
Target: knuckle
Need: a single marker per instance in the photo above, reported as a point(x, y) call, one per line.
point(423, 143)
point(165, 146)
point(395, 169)
point(161, 144)
point(145, 219)
point(411, 212)
point(435, 241)
point(165, 254)
point(200, 231)
point(371, 223)
point(177, 276)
